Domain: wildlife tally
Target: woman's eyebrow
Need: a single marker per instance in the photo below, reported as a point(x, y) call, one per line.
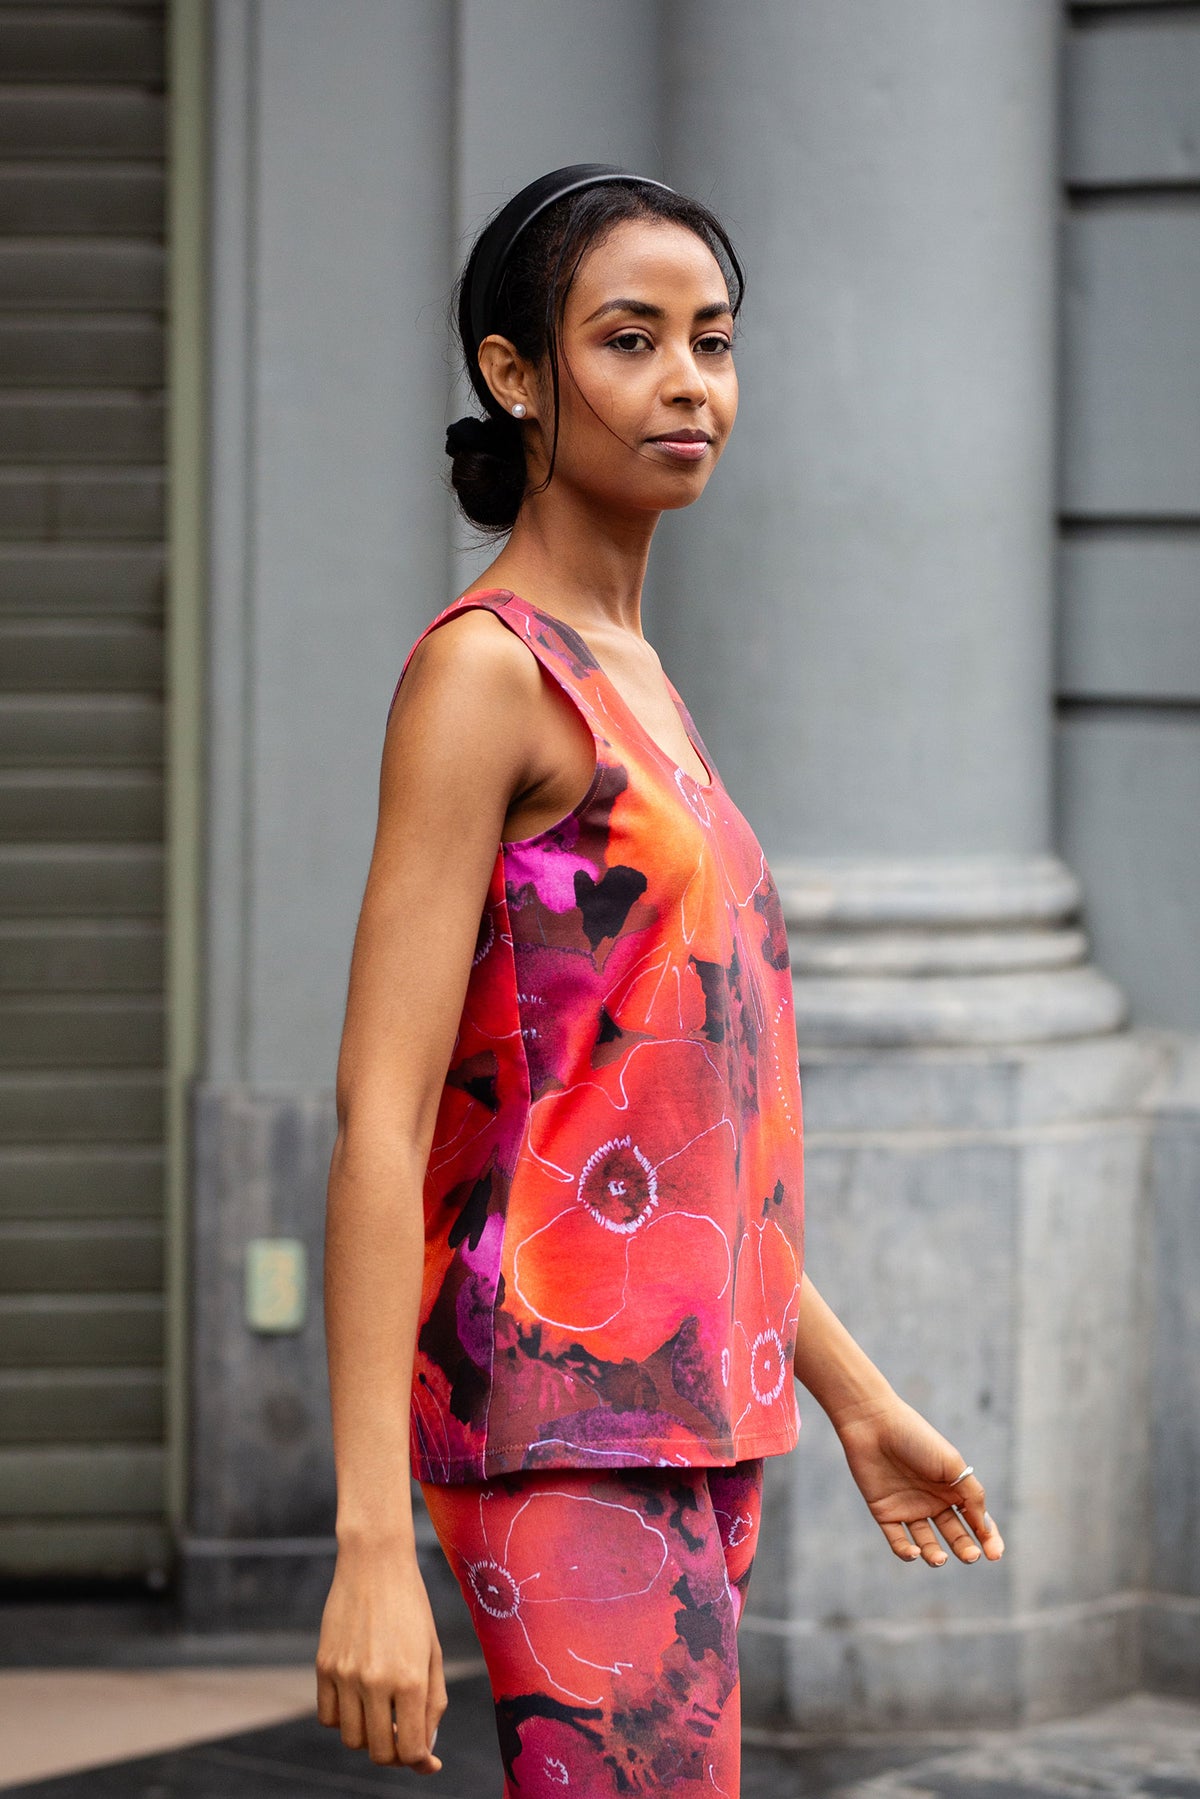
point(644, 310)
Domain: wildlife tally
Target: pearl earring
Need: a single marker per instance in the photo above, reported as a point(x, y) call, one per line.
point(519, 410)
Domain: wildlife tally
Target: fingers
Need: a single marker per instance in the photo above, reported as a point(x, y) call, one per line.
point(970, 1499)
point(989, 1536)
point(377, 1713)
point(902, 1544)
point(413, 1737)
point(917, 1540)
point(925, 1538)
point(954, 1529)
point(327, 1699)
point(351, 1717)
point(437, 1699)
point(394, 1721)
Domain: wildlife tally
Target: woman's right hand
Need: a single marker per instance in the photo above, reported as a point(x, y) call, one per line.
point(379, 1655)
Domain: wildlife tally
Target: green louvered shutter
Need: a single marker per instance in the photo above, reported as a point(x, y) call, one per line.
point(81, 736)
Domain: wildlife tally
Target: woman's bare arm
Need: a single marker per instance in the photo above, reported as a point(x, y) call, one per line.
point(905, 1469)
point(459, 744)
point(835, 1368)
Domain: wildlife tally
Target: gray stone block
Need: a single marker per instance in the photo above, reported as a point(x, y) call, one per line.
point(992, 1259)
point(225, 1584)
point(1172, 1645)
point(1009, 1087)
point(1174, 1346)
point(261, 1463)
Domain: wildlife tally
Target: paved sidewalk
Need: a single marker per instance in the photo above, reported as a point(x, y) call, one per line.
point(1143, 1747)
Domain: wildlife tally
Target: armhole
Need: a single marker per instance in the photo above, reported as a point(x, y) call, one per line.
point(481, 605)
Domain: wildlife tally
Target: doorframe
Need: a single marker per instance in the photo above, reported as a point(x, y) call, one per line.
point(188, 40)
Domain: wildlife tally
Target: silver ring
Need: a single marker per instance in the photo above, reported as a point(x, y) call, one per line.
point(962, 1476)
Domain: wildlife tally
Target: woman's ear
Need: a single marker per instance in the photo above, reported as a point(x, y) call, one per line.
point(506, 374)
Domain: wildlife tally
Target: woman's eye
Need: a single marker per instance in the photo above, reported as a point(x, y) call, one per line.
point(711, 345)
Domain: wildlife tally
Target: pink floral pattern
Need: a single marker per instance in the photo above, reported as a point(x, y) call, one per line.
point(614, 1201)
point(607, 1607)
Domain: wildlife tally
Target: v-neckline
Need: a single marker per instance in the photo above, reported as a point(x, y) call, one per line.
point(630, 715)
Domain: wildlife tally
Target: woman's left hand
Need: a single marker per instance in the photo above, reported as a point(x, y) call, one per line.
point(904, 1470)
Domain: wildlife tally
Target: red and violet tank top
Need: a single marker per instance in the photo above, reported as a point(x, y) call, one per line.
point(614, 1197)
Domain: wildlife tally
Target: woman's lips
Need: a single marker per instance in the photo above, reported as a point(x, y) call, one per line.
point(688, 449)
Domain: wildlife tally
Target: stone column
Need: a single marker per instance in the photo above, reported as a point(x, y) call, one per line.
point(860, 611)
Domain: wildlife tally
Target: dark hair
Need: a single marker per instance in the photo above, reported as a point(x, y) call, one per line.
point(488, 474)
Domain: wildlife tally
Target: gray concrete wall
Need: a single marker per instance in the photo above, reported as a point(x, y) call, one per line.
point(1128, 675)
point(1172, 1621)
point(1129, 626)
point(1128, 666)
point(330, 248)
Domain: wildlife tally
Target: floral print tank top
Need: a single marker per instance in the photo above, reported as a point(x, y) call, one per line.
point(614, 1198)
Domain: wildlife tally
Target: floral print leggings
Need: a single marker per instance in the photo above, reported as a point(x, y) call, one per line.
point(607, 1603)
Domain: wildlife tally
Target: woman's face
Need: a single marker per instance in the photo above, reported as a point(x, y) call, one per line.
point(645, 357)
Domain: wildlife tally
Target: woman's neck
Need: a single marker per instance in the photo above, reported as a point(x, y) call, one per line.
point(580, 562)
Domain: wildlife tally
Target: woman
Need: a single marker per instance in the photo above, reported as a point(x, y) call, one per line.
point(565, 1226)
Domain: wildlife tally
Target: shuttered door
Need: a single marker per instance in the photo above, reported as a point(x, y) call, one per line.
point(81, 734)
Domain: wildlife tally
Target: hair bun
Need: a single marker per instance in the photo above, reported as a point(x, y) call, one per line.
point(489, 436)
point(487, 471)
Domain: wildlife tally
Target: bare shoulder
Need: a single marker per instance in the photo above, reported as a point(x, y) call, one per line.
point(473, 653)
point(465, 731)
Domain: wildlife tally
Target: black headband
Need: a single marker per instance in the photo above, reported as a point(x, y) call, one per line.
point(492, 252)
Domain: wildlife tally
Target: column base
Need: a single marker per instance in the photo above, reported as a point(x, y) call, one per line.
point(952, 949)
point(982, 1220)
point(882, 1674)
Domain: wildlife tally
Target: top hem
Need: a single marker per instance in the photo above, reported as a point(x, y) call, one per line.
point(513, 1459)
